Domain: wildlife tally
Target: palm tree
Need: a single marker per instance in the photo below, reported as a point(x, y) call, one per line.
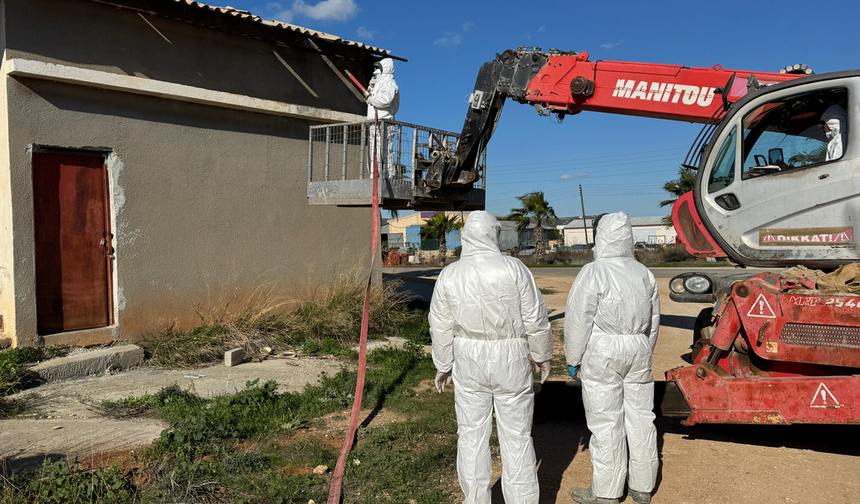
point(437, 227)
point(817, 154)
point(677, 188)
point(534, 206)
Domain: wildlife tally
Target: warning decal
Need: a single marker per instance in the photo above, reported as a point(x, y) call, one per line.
point(761, 308)
point(823, 398)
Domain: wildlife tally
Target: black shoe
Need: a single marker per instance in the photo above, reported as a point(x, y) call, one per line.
point(640, 497)
point(586, 496)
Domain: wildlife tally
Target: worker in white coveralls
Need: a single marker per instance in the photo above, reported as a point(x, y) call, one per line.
point(383, 102)
point(610, 329)
point(485, 316)
point(834, 122)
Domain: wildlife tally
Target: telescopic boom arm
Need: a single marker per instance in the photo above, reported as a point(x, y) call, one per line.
point(566, 83)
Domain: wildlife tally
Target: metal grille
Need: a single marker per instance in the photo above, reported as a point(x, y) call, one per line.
point(816, 335)
point(344, 152)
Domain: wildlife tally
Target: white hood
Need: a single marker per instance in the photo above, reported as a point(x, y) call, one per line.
point(481, 234)
point(614, 237)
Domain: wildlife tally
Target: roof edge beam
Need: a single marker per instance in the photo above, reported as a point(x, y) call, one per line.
point(19, 67)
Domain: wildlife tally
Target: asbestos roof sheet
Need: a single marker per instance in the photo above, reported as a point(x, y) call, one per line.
point(242, 22)
point(247, 16)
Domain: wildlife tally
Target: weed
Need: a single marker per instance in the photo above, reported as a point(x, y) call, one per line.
point(325, 320)
point(196, 459)
point(57, 351)
point(417, 330)
point(11, 407)
point(547, 292)
point(14, 373)
point(61, 483)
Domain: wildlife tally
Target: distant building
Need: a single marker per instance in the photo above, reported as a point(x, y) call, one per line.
point(648, 230)
point(154, 158)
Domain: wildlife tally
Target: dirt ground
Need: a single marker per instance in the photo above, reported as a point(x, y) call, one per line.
point(700, 464)
point(705, 464)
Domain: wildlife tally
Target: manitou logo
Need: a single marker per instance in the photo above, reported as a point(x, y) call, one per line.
point(663, 92)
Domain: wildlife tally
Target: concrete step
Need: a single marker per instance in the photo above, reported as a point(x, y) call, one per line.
point(90, 363)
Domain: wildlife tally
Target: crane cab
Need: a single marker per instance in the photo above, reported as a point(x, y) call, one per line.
point(778, 183)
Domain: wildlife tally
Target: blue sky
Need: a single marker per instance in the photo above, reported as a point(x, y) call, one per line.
point(621, 162)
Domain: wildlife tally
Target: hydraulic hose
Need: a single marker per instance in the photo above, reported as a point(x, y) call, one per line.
point(337, 479)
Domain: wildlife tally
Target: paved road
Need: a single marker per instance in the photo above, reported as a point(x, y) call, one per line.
point(420, 280)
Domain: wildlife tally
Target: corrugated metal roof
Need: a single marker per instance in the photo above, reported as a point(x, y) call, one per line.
point(247, 16)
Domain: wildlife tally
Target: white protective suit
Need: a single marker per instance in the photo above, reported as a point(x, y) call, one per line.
point(485, 316)
point(384, 96)
point(610, 329)
point(836, 119)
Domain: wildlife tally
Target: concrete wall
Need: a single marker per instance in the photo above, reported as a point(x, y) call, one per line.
point(7, 288)
point(209, 204)
point(100, 37)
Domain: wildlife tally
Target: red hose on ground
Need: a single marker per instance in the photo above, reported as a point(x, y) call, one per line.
point(337, 480)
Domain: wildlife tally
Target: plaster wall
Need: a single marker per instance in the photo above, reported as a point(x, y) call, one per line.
point(7, 288)
point(104, 38)
point(209, 204)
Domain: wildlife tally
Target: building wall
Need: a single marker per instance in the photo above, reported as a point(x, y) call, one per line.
point(209, 204)
point(401, 224)
point(577, 236)
point(7, 287)
point(654, 234)
point(647, 234)
point(101, 37)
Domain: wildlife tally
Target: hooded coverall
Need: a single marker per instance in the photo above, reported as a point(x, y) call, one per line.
point(485, 316)
point(610, 329)
point(836, 119)
point(384, 97)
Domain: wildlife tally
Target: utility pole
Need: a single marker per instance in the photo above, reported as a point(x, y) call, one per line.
point(584, 226)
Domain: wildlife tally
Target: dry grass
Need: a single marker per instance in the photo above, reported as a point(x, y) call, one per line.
point(267, 318)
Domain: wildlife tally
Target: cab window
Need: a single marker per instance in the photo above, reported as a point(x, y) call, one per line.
point(723, 171)
point(795, 132)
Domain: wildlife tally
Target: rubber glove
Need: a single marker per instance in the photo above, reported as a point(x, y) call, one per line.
point(571, 370)
point(442, 379)
point(543, 368)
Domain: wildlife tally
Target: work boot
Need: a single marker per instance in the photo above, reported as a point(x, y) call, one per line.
point(586, 496)
point(640, 497)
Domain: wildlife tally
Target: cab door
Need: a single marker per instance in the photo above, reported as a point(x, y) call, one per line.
point(779, 186)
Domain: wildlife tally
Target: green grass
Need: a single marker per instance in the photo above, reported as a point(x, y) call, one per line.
point(63, 483)
point(547, 292)
point(15, 376)
point(260, 445)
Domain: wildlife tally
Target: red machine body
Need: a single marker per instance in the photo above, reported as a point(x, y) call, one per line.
point(777, 357)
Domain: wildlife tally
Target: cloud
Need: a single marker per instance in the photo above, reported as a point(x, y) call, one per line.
point(449, 40)
point(364, 33)
point(278, 13)
point(610, 45)
point(337, 10)
point(542, 29)
point(568, 176)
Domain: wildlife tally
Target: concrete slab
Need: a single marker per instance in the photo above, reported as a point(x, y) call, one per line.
point(90, 363)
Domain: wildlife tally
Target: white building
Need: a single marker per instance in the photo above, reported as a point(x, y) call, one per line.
point(645, 229)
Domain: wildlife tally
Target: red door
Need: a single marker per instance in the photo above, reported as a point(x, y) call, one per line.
point(73, 241)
